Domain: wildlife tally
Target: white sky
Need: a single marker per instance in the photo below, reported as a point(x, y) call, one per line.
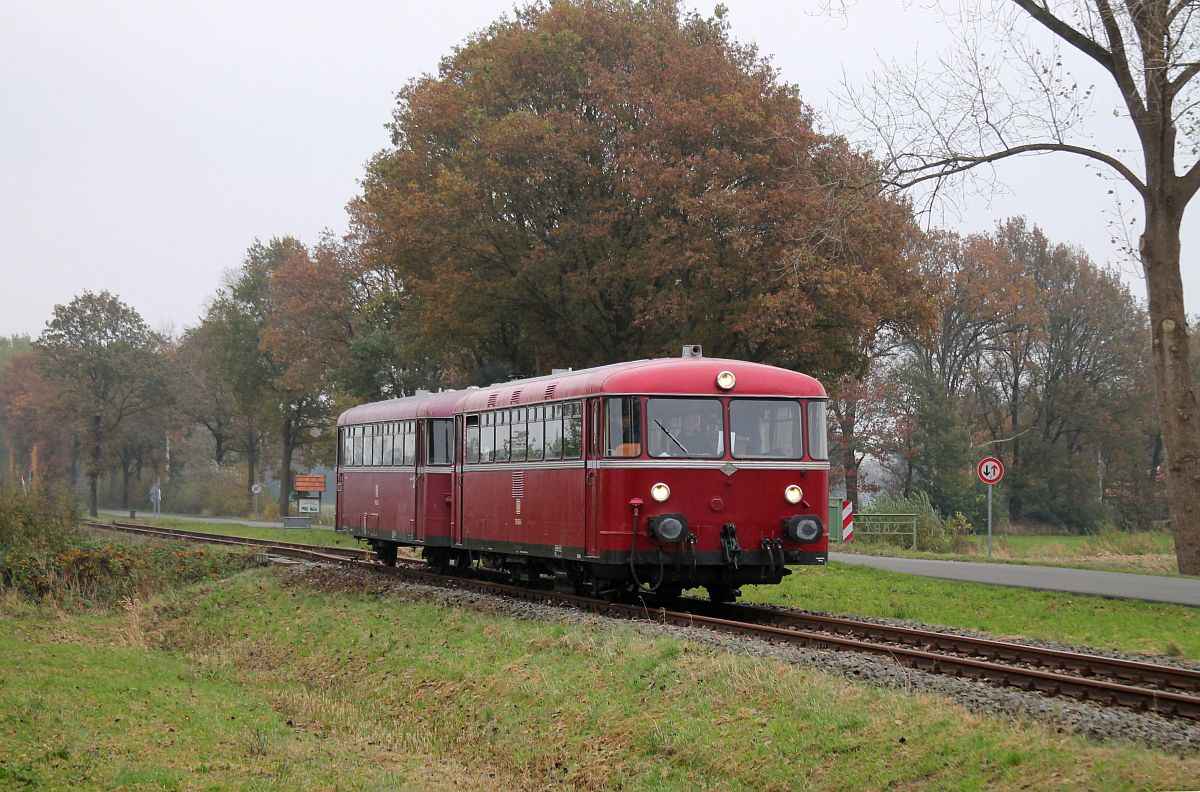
point(143, 146)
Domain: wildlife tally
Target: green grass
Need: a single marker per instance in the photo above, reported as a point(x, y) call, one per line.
point(1143, 553)
point(325, 537)
point(1093, 621)
point(253, 684)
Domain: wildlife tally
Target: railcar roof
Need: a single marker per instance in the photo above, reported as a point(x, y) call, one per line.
point(690, 376)
point(424, 405)
point(650, 377)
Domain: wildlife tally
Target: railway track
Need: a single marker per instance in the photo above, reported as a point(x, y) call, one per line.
point(1151, 687)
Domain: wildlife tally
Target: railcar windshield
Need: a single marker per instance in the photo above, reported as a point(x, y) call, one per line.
point(685, 428)
point(766, 429)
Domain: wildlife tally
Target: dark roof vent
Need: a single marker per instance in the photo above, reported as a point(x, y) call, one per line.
point(550, 390)
point(492, 400)
point(516, 396)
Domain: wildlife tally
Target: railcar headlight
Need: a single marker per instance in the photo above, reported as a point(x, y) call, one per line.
point(793, 494)
point(726, 380)
point(660, 492)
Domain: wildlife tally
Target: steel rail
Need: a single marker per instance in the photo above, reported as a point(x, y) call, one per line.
point(202, 536)
point(1137, 671)
point(764, 623)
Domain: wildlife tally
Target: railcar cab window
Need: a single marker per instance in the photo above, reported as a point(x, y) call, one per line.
point(623, 427)
point(685, 427)
point(441, 442)
point(818, 441)
point(766, 429)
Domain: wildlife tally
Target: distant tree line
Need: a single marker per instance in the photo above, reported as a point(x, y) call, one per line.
point(585, 183)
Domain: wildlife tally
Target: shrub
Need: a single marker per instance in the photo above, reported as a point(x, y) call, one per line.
point(934, 533)
point(45, 555)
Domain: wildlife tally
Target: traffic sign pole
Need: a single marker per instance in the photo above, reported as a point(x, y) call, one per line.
point(989, 520)
point(990, 470)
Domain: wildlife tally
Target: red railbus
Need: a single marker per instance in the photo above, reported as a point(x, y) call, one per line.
point(655, 475)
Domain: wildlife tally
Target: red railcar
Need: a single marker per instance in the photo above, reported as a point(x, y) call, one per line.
point(661, 474)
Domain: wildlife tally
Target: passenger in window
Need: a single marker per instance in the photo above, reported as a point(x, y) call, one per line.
point(696, 439)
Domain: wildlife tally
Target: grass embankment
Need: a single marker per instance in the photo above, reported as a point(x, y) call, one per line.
point(258, 683)
point(326, 537)
point(1151, 627)
point(1144, 553)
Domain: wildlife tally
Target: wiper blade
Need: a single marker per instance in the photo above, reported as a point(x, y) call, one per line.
point(667, 432)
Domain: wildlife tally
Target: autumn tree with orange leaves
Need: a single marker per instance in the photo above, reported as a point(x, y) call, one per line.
point(588, 182)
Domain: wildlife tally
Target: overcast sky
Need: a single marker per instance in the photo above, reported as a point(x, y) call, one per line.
point(145, 145)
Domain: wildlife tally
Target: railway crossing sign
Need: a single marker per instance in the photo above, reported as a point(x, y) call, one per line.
point(990, 470)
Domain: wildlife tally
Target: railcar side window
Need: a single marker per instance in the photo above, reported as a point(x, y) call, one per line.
point(623, 427)
point(766, 428)
point(441, 441)
point(356, 449)
point(818, 441)
point(503, 439)
point(685, 428)
point(345, 446)
point(572, 430)
point(554, 435)
point(410, 444)
point(472, 440)
point(487, 437)
point(537, 433)
point(520, 434)
point(390, 444)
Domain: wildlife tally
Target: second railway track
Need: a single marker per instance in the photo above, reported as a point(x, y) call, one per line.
point(1167, 690)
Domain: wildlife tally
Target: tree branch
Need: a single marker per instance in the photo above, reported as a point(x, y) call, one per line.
point(1114, 60)
point(1067, 33)
point(951, 165)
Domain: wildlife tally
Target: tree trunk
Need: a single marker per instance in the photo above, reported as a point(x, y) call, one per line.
point(849, 447)
point(285, 468)
point(1016, 506)
point(1174, 390)
point(94, 471)
point(251, 466)
point(126, 474)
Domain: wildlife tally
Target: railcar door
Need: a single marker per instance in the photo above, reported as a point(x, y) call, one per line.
point(419, 474)
point(593, 442)
point(456, 519)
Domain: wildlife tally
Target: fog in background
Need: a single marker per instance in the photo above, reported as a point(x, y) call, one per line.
point(144, 146)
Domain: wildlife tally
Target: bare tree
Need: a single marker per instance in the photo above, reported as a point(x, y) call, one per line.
point(1000, 93)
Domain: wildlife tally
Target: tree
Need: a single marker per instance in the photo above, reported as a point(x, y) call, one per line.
point(595, 181)
point(361, 338)
point(266, 383)
point(985, 108)
point(108, 366)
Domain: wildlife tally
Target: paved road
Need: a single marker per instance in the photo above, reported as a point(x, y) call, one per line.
point(226, 520)
point(1154, 588)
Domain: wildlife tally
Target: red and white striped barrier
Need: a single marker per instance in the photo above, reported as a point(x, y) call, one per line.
point(847, 521)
